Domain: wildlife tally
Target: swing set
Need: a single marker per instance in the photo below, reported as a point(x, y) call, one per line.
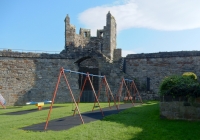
point(130, 91)
point(108, 91)
point(2, 101)
point(87, 78)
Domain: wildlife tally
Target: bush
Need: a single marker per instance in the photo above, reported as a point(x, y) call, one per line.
point(190, 74)
point(180, 86)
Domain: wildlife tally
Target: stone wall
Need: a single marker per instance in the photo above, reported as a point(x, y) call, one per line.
point(33, 76)
point(179, 110)
point(33, 79)
point(157, 66)
point(117, 54)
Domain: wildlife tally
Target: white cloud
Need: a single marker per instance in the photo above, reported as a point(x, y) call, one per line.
point(153, 14)
point(125, 52)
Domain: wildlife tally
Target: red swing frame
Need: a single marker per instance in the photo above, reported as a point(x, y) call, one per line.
point(107, 87)
point(133, 86)
point(128, 97)
point(120, 92)
point(87, 78)
point(54, 95)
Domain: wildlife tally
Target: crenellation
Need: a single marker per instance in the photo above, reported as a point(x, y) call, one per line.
point(105, 41)
point(85, 32)
point(100, 33)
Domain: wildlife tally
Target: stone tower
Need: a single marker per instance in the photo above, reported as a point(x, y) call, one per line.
point(109, 37)
point(104, 42)
point(69, 31)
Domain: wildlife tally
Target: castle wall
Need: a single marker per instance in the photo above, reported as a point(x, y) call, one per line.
point(32, 76)
point(117, 54)
point(29, 77)
point(76, 40)
point(156, 66)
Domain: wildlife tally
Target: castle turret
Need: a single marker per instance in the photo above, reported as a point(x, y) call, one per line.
point(67, 20)
point(70, 31)
point(109, 36)
point(105, 42)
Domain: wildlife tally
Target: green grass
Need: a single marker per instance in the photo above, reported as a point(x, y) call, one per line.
point(137, 123)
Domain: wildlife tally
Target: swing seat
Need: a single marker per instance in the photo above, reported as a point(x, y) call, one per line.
point(125, 98)
point(40, 105)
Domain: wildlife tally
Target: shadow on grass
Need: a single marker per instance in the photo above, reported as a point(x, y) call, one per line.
point(28, 111)
point(137, 123)
point(72, 121)
point(147, 119)
point(12, 107)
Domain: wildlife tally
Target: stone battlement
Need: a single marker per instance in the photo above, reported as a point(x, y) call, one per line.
point(164, 54)
point(105, 41)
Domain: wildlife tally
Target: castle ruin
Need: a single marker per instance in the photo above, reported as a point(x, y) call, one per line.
point(104, 42)
point(32, 76)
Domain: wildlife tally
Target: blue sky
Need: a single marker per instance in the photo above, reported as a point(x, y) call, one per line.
point(143, 26)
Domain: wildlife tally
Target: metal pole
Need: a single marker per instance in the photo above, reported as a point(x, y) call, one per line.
point(94, 93)
point(107, 94)
point(72, 96)
point(127, 90)
point(110, 92)
point(98, 94)
point(120, 92)
point(81, 93)
point(137, 91)
point(54, 95)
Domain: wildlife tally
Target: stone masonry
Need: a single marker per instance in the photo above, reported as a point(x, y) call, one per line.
point(104, 42)
point(157, 66)
point(179, 111)
point(32, 76)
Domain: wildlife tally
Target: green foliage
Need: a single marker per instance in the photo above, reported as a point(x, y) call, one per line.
point(190, 74)
point(180, 86)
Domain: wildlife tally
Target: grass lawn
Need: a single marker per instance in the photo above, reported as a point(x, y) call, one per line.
point(137, 123)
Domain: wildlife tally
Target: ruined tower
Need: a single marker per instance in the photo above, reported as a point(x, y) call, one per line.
point(104, 42)
point(109, 36)
point(69, 31)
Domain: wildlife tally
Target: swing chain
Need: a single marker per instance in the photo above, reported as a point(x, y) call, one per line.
point(92, 79)
point(81, 81)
